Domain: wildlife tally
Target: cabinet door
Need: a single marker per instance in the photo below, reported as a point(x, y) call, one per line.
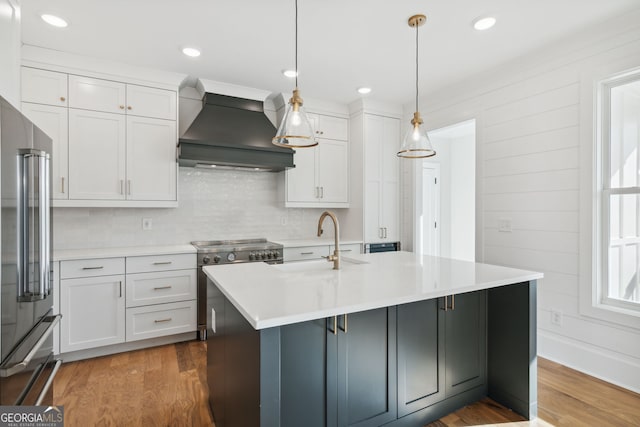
point(92, 312)
point(367, 386)
point(304, 382)
point(96, 155)
point(97, 94)
point(465, 342)
point(151, 159)
point(390, 179)
point(44, 87)
point(151, 102)
point(420, 355)
point(373, 134)
point(54, 122)
point(301, 180)
point(330, 127)
point(333, 173)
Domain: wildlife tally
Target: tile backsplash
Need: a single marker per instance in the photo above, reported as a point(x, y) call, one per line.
point(213, 205)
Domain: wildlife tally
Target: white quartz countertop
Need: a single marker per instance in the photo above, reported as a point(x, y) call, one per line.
point(69, 254)
point(276, 295)
point(318, 241)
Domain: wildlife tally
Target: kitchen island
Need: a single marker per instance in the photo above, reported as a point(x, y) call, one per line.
point(389, 339)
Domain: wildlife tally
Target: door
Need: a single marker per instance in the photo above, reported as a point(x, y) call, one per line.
point(301, 180)
point(421, 370)
point(333, 174)
point(54, 122)
point(97, 94)
point(44, 87)
point(366, 368)
point(151, 159)
point(94, 310)
point(465, 342)
point(96, 155)
point(151, 102)
point(430, 223)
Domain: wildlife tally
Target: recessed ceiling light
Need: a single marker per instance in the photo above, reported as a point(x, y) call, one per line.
point(484, 23)
point(56, 21)
point(191, 51)
point(289, 73)
point(364, 90)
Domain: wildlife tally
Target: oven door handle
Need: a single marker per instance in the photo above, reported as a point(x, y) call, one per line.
point(18, 367)
point(49, 382)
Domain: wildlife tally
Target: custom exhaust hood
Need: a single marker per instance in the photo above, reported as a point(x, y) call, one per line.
point(232, 133)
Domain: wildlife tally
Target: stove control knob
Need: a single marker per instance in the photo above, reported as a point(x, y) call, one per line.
point(206, 259)
point(276, 255)
point(262, 255)
point(231, 257)
point(269, 254)
point(216, 259)
point(252, 256)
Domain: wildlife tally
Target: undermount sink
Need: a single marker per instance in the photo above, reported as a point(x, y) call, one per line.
point(317, 265)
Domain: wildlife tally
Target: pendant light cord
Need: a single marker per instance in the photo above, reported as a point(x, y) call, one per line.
point(296, 44)
point(417, 26)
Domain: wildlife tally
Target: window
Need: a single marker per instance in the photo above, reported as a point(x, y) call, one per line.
point(619, 216)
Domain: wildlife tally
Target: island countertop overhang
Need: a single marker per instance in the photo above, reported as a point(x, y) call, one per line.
point(271, 295)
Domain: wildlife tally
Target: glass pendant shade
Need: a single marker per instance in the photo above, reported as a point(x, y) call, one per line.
point(295, 129)
point(416, 143)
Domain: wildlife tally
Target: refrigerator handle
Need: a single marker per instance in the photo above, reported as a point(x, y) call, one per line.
point(49, 382)
point(45, 224)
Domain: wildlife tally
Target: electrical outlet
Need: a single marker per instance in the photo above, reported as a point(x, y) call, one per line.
point(556, 317)
point(147, 223)
point(504, 225)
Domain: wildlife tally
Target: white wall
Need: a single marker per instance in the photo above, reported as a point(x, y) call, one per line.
point(534, 163)
point(10, 39)
point(463, 203)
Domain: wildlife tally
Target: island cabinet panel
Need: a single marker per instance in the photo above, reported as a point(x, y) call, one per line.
point(421, 373)
point(367, 368)
point(465, 341)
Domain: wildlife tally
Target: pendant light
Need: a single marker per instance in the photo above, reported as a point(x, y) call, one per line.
point(295, 130)
point(416, 143)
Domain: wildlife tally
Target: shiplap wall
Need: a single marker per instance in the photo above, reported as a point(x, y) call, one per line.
point(534, 141)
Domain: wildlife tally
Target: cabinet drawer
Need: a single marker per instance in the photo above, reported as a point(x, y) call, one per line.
point(161, 287)
point(91, 267)
point(352, 249)
point(145, 264)
point(305, 252)
point(160, 320)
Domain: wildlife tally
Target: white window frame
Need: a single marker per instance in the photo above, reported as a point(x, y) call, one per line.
point(594, 220)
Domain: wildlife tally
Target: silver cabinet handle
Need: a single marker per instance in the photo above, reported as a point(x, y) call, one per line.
point(306, 253)
point(93, 268)
point(62, 186)
point(385, 232)
point(49, 382)
point(335, 325)
point(322, 192)
point(162, 263)
point(121, 289)
point(163, 320)
point(162, 287)
point(445, 306)
point(449, 305)
point(122, 186)
point(346, 250)
point(453, 302)
point(18, 367)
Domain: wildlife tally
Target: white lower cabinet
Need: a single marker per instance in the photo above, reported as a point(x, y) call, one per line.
point(92, 312)
point(131, 298)
point(305, 253)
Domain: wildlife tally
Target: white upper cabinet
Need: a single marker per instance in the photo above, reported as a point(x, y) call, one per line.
point(321, 176)
point(151, 102)
point(151, 159)
point(97, 94)
point(54, 122)
point(114, 143)
point(44, 87)
point(97, 155)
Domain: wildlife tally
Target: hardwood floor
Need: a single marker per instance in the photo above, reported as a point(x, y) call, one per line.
point(167, 386)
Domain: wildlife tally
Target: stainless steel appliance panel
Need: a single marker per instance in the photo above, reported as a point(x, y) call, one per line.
point(371, 248)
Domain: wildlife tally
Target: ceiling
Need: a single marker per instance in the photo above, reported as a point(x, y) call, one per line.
point(344, 44)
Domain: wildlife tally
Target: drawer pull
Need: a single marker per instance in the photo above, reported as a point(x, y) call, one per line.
point(162, 263)
point(162, 287)
point(306, 253)
point(346, 250)
point(163, 320)
point(93, 268)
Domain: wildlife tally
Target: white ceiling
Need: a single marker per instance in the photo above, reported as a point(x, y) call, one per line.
point(344, 44)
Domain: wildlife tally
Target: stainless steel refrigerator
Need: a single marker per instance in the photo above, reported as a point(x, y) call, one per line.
point(27, 365)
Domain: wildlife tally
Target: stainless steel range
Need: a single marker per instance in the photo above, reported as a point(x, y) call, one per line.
point(216, 252)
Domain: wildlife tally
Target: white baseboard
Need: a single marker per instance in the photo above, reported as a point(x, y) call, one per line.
point(606, 365)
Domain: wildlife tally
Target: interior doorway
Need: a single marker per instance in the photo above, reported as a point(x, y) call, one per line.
point(445, 216)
